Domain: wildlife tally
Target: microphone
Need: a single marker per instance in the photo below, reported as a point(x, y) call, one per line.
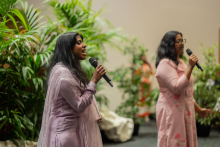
point(189, 52)
point(94, 63)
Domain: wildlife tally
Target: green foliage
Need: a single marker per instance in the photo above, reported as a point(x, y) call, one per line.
point(205, 93)
point(129, 82)
point(154, 94)
point(21, 87)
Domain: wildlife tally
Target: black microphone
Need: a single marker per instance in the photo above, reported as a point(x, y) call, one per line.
point(94, 63)
point(189, 52)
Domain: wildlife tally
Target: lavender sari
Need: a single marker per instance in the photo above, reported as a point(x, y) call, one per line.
point(70, 112)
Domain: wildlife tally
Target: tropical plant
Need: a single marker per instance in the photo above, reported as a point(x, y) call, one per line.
point(129, 80)
point(22, 61)
point(205, 92)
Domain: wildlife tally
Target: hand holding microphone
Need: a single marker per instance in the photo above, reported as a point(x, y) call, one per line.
point(99, 72)
point(193, 60)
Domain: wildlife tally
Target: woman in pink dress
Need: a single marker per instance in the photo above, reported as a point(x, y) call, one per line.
point(175, 110)
point(71, 115)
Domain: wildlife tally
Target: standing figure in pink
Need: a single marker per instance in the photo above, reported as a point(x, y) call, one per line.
point(175, 110)
point(71, 115)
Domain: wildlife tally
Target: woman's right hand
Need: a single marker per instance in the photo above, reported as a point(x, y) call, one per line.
point(98, 74)
point(192, 61)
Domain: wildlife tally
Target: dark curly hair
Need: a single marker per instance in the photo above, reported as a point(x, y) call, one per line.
point(166, 48)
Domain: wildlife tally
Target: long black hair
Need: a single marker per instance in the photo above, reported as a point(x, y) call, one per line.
point(63, 53)
point(166, 48)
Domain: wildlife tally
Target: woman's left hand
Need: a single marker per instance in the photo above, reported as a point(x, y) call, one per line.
point(204, 112)
point(100, 118)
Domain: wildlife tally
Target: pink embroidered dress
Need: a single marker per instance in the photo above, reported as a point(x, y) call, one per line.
point(175, 111)
point(70, 112)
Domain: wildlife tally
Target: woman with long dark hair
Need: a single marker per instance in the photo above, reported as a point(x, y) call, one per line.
point(70, 112)
point(175, 110)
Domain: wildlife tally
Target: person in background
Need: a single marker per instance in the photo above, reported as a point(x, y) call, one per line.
point(176, 107)
point(146, 72)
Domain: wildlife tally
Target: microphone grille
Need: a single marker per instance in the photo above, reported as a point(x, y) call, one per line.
point(189, 52)
point(93, 62)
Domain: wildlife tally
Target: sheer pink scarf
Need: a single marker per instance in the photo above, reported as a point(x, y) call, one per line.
point(89, 130)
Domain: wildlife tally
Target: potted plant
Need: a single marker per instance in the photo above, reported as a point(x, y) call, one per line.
point(21, 88)
point(128, 80)
point(205, 92)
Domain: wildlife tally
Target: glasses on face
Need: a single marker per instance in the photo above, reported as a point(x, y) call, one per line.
point(181, 41)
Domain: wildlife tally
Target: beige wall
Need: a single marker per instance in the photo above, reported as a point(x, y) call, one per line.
point(149, 20)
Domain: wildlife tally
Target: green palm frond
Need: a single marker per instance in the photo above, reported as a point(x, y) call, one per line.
point(17, 13)
point(29, 17)
point(71, 13)
point(6, 6)
point(21, 80)
point(14, 44)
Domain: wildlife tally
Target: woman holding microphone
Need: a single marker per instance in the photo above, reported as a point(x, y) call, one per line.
point(71, 115)
point(176, 107)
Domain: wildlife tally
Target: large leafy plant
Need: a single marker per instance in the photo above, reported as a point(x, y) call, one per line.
point(129, 81)
point(205, 92)
point(22, 66)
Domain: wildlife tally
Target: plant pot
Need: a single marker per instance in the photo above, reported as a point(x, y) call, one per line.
point(136, 129)
point(202, 130)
